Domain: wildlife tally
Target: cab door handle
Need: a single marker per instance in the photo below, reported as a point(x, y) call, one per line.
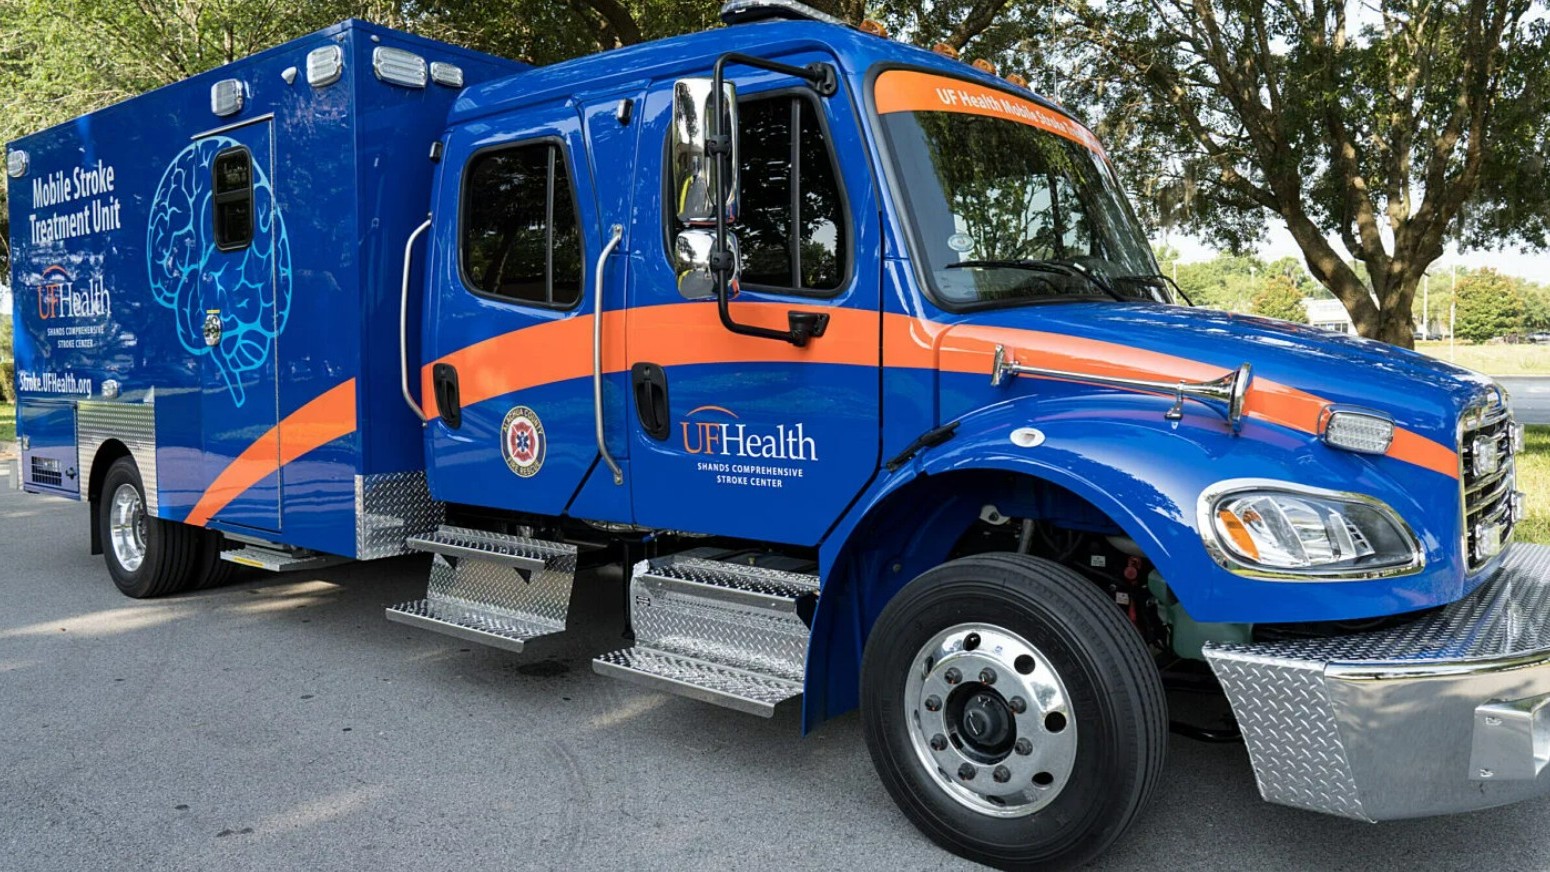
point(444, 382)
point(650, 383)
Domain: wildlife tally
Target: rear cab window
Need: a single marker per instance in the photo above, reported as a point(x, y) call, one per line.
point(519, 239)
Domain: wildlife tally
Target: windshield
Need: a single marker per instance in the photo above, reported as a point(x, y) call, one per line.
point(1009, 201)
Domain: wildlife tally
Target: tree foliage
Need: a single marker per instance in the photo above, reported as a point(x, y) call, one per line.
point(1490, 306)
point(1393, 125)
point(1279, 297)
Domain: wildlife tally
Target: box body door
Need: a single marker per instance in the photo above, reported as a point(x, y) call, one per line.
point(243, 300)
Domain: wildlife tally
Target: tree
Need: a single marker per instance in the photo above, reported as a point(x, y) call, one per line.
point(1536, 306)
point(1377, 123)
point(1489, 306)
point(1279, 297)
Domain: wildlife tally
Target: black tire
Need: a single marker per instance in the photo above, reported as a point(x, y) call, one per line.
point(210, 570)
point(170, 548)
point(1116, 699)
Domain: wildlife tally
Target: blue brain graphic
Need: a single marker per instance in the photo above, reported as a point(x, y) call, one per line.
point(251, 287)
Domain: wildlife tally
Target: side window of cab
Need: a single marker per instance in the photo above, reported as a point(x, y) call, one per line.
point(519, 239)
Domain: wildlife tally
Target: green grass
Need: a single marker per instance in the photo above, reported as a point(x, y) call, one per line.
point(1523, 359)
point(1534, 480)
point(7, 422)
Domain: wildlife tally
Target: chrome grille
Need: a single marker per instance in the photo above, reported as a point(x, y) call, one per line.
point(1485, 429)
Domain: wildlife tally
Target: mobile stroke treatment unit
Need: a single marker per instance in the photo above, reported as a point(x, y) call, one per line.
point(857, 359)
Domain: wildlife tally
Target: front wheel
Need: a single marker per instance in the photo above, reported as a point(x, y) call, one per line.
point(1012, 712)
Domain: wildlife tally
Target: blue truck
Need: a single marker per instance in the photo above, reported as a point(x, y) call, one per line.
point(853, 355)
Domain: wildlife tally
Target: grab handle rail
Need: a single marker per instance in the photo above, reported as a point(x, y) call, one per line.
point(597, 352)
point(403, 322)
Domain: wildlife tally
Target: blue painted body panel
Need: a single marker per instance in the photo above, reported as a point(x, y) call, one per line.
point(341, 177)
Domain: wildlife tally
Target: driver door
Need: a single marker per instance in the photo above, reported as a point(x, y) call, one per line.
point(743, 435)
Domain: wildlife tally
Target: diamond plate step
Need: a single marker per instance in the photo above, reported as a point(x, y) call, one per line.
point(279, 559)
point(725, 633)
point(496, 589)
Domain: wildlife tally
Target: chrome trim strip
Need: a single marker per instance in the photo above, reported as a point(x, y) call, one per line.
point(1206, 527)
point(267, 116)
point(597, 352)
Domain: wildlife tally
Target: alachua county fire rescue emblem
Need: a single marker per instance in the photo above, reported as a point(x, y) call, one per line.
point(522, 441)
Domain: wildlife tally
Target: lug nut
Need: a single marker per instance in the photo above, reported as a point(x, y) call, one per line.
point(952, 675)
point(1002, 775)
point(1023, 747)
point(939, 742)
point(933, 703)
point(967, 772)
point(1018, 704)
point(988, 675)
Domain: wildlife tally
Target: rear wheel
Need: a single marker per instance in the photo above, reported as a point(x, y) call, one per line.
point(146, 556)
point(210, 570)
point(1012, 712)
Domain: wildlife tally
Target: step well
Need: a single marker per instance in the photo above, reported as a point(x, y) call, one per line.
point(496, 589)
point(723, 632)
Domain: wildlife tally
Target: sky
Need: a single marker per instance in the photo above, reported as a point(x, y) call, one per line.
point(1531, 265)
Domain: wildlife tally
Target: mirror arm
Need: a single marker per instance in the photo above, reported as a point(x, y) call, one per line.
point(822, 78)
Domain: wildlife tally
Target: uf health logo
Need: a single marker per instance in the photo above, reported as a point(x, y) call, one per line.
point(706, 431)
point(59, 298)
point(251, 288)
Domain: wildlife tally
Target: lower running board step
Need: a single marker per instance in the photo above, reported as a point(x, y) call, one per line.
point(278, 559)
point(492, 588)
point(721, 632)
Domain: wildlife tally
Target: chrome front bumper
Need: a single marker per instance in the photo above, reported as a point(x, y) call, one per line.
point(1446, 714)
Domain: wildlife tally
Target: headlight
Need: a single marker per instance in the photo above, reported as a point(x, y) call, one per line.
point(1279, 530)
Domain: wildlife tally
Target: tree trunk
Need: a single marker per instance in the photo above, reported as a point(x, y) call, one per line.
point(1395, 312)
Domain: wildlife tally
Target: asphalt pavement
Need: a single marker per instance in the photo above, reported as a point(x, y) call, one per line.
point(282, 723)
point(1530, 397)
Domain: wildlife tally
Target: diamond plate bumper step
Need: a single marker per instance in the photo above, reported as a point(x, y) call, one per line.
point(1446, 713)
point(492, 588)
point(720, 632)
point(278, 559)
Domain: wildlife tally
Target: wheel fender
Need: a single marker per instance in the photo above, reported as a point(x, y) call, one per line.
point(1122, 457)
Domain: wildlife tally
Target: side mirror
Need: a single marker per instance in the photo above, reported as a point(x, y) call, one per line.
point(692, 252)
point(696, 168)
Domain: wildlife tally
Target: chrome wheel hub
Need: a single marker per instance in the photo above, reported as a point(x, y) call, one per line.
point(990, 720)
point(126, 527)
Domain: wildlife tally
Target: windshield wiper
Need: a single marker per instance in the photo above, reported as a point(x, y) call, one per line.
point(1045, 266)
point(1141, 277)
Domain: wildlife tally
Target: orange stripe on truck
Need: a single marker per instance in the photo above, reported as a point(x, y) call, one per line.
point(675, 334)
point(668, 335)
point(970, 349)
point(914, 91)
point(324, 419)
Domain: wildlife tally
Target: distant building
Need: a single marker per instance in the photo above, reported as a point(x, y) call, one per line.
point(1328, 315)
